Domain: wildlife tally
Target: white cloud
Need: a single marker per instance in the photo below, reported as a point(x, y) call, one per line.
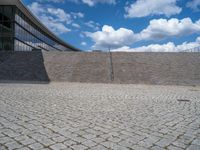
point(55, 1)
point(76, 25)
point(143, 8)
point(77, 15)
point(162, 28)
point(194, 4)
point(54, 18)
point(169, 47)
point(93, 25)
point(110, 37)
point(83, 43)
point(60, 15)
point(157, 30)
point(36, 8)
point(57, 27)
point(94, 2)
point(82, 35)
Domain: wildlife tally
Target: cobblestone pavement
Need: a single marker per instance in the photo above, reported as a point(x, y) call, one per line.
point(99, 117)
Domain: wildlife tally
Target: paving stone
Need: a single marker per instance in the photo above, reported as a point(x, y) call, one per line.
point(164, 142)
point(21, 137)
point(36, 146)
point(27, 141)
point(79, 147)
point(58, 146)
point(98, 147)
point(193, 147)
point(196, 142)
point(13, 145)
point(24, 148)
point(145, 144)
point(98, 140)
point(98, 116)
point(47, 142)
point(89, 136)
point(179, 144)
point(5, 140)
point(171, 147)
point(3, 147)
point(89, 143)
point(126, 143)
point(114, 139)
point(156, 148)
point(70, 143)
point(59, 139)
point(137, 147)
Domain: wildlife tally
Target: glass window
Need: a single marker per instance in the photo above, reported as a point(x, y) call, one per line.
point(7, 43)
point(7, 11)
point(1, 13)
point(7, 26)
point(1, 28)
point(1, 44)
point(16, 46)
point(24, 32)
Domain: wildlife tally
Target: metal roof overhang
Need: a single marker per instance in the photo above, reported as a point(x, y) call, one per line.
point(37, 22)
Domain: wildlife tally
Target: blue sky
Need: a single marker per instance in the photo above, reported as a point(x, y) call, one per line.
point(122, 25)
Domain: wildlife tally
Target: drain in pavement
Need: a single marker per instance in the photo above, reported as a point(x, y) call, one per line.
point(183, 100)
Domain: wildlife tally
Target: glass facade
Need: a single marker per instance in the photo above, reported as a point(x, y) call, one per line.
point(18, 33)
point(6, 28)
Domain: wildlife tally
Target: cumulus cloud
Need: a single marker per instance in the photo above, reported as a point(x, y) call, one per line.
point(194, 4)
point(54, 18)
point(109, 37)
point(83, 43)
point(169, 47)
point(59, 15)
point(54, 1)
point(93, 25)
point(158, 29)
point(94, 2)
point(76, 25)
point(143, 8)
point(76, 15)
point(162, 28)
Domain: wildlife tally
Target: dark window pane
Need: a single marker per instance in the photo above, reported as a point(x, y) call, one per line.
point(7, 43)
point(7, 11)
point(7, 25)
point(1, 26)
point(1, 44)
point(1, 13)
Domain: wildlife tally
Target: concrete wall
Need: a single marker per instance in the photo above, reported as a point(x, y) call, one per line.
point(138, 68)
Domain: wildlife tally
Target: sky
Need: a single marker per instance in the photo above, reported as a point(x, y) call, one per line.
point(122, 25)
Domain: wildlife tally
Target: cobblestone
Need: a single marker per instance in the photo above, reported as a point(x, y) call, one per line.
point(58, 146)
point(98, 116)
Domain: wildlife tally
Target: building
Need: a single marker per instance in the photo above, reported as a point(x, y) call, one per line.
point(20, 30)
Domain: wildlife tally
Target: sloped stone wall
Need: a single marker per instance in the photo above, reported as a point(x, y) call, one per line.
point(128, 68)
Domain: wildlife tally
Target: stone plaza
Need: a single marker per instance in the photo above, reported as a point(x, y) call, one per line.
point(80, 116)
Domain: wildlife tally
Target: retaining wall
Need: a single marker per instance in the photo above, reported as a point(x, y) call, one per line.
point(128, 68)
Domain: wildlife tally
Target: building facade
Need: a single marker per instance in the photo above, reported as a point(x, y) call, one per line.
point(20, 30)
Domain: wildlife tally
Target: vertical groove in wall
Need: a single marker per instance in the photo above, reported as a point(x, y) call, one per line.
point(111, 67)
